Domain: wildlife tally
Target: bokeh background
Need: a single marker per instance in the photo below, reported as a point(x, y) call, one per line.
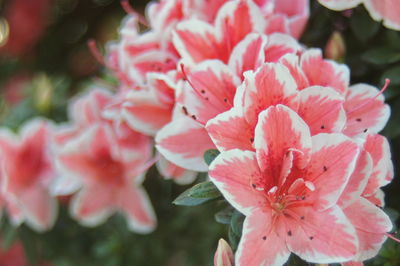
point(45, 60)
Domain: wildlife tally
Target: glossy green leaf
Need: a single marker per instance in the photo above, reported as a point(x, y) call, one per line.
point(198, 194)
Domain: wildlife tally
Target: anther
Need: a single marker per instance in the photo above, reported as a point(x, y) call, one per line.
point(289, 233)
point(325, 168)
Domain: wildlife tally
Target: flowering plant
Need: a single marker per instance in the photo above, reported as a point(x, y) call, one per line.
point(230, 99)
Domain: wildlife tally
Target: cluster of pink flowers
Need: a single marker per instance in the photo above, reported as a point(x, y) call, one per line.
point(300, 157)
point(380, 10)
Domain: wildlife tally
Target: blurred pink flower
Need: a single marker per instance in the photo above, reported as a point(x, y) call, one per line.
point(110, 175)
point(380, 10)
point(27, 170)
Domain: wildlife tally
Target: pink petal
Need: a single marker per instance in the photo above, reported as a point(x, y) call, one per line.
point(195, 41)
point(38, 207)
point(322, 109)
point(322, 237)
point(261, 243)
point(278, 45)
point(358, 180)
point(175, 142)
point(324, 73)
point(229, 130)
point(366, 110)
point(147, 118)
point(93, 205)
point(235, 20)
point(291, 61)
point(298, 17)
point(93, 157)
point(378, 198)
point(163, 13)
point(340, 4)
point(279, 131)
point(137, 207)
point(234, 173)
point(388, 11)
point(215, 83)
point(171, 171)
point(271, 84)
point(224, 255)
point(332, 162)
point(87, 108)
point(248, 54)
point(277, 23)
point(371, 224)
point(382, 171)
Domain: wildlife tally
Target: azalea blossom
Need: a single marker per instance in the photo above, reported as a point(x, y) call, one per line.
point(288, 189)
point(223, 255)
point(362, 198)
point(27, 169)
point(380, 10)
point(111, 175)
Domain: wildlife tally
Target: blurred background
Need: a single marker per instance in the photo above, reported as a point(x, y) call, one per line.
point(44, 60)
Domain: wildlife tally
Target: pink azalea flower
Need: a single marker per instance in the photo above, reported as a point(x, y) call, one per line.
point(320, 107)
point(27, 170)
point(223, 255)
point(111, 175)
point(380, 10)
point(362, 196)
point(210, 90)
point(288, 189)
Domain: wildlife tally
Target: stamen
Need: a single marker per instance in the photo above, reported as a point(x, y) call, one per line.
point(387, 82)
point(131, 11)
point(95, 52)
point(392, 237)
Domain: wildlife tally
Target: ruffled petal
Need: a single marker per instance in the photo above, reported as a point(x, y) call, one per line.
point(365, 109)
point(322, 109)
point(332, 162)
point(175, 142)
point(279, 132)
point(235, 173)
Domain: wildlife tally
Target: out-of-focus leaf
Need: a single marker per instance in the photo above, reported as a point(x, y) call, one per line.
point(224, 216)
point(363, 26)
point(382, 55)
point(210, 155)
point(198, 194)
point(237, 222)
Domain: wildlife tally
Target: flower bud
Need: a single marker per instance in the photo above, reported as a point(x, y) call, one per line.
point(335, 48)
point(223, 255)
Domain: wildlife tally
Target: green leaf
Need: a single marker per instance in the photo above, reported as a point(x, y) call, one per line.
point(237, 223)
point(210, 155)
point(224, 216)
point(198, 194)
point(363, 27)
point(381, 55)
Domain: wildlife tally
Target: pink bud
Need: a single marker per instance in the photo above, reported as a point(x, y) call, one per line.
point(223, 255)
point(335, 48)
